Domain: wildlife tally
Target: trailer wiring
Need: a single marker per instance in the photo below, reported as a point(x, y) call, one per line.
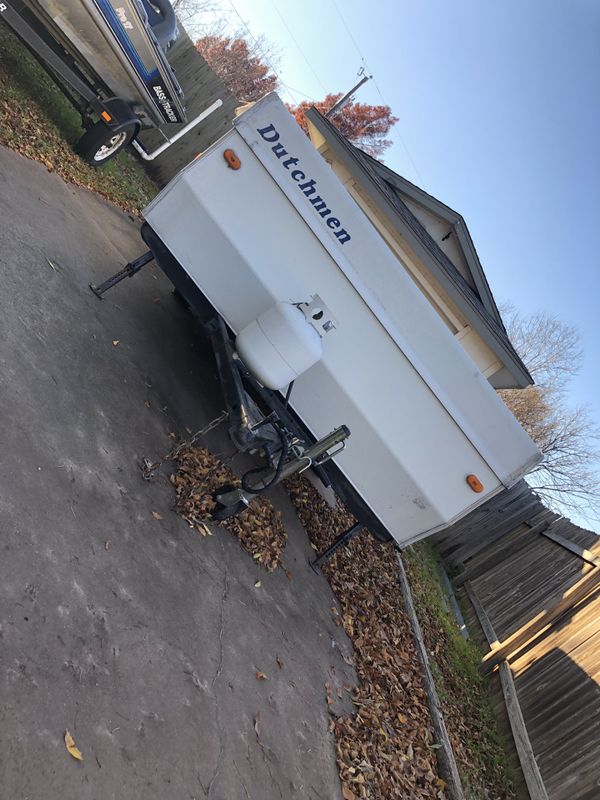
point(247, 487)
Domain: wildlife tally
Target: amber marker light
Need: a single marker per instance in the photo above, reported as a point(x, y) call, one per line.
point(475, 483)
point(106, 116)
point(231, 159)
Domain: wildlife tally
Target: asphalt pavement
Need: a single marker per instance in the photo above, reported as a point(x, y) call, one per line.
point(134, 633)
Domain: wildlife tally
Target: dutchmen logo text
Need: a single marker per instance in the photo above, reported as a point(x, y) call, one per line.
point(307, 185)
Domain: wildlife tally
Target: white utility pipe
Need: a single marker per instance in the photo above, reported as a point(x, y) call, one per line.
point(151, 156)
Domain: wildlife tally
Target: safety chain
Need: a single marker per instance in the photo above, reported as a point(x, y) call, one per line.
point(149, 468)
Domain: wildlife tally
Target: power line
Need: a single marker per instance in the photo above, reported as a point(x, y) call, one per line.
point(362, 58)
point(345, 24)
point(300, 50)
point(265, 57)
point(287, 86)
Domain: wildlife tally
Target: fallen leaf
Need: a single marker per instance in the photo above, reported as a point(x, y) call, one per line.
point(257, 585)
point(288, 575)
point(260, 676)
point(259, 528)
point(70, 745)
point(440, 783)
point(156, 515)
point(279, 662)
point(374, 758)
point(107, 544)
point(116, 342)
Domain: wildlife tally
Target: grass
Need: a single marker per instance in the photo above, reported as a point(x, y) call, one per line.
point(38, 121)
point(479, 745)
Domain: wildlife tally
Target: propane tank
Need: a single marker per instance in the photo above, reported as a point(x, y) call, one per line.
point(284, 341)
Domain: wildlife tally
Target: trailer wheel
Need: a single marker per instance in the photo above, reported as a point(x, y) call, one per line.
point(99, 144)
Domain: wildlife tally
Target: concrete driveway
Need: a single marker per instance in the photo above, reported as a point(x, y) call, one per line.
point(135, 634)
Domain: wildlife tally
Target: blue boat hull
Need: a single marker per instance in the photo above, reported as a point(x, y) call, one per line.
point(112, 42)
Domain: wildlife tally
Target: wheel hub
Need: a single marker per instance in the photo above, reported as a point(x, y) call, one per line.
point(113, 144)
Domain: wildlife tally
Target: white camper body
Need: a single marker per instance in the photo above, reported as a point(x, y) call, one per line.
point(282, 227)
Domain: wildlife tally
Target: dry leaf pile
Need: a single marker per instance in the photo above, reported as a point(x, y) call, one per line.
point(259, 528)
point(387, 749)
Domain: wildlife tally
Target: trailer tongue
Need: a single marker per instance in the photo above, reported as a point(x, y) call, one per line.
point(258, 230)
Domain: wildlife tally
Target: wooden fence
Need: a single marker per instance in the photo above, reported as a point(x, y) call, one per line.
point(491, 521)
point(533, 579)
point(201, 87)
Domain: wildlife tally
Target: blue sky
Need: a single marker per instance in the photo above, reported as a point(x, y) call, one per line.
point(499, 108)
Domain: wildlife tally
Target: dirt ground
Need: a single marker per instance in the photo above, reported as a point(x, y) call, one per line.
point(134, 633)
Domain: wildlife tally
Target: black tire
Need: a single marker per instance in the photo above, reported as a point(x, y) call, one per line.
point(99, 144)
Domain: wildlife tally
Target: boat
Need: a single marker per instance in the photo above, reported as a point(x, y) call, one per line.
point(112, 55)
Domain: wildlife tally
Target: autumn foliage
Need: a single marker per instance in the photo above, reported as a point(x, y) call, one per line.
point(245, 73)
point(387, 749)
point(364, 125)
point(242, 72)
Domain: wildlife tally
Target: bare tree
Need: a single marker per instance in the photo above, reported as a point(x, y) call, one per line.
point(210, 18)
point(194, 13)
point(550, 348)
point(567, 479)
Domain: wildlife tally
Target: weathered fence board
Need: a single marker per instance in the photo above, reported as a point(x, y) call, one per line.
point(570, 638)
point(573, 547)
point(527, 583)
point(497, 552)
point(201, 88)
point(560, 700)
point(490, 523)
point(534, 578)
point(527, 759)
point(541, 622)
point(529, 765)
